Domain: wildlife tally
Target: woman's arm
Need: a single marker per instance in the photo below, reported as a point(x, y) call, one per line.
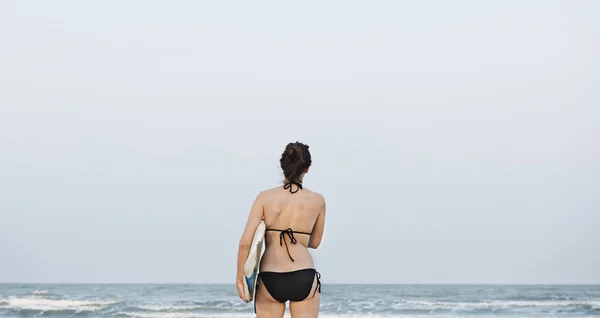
point(256, 215)
point(319, 227)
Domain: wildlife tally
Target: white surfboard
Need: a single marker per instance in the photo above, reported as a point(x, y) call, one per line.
point(253, 261)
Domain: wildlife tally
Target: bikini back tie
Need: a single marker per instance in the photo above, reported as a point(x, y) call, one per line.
point(290, 233)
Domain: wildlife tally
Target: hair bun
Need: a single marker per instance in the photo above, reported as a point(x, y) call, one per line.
point(294, 155)
point(295, 159)
point(291, 153)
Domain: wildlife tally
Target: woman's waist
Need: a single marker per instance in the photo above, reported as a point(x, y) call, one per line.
point(276, 258)
point(289, 252)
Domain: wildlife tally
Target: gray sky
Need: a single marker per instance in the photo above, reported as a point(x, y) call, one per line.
point(454, 141)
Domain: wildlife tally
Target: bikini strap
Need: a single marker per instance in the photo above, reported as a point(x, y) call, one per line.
point(289, 229)
point(318, 283)
point(282, 239)
point(290, 234)
point(289, 186)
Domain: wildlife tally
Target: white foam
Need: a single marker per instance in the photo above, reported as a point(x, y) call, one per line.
point(169, 308)
point(222, 306)
point(238, 315)
point(182, 315)
point(42, 304)
point(40, 292)
point(552, 303)
point(492, 304)
point(229, 315)
point(252, 315)
point(365, 315)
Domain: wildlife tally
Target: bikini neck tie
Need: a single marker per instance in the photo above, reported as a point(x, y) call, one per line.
point(289, 186)
point(290, 234)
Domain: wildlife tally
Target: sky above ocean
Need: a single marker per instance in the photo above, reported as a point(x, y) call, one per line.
point(454, 142)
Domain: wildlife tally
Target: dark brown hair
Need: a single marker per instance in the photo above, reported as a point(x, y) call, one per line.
point(295, 159)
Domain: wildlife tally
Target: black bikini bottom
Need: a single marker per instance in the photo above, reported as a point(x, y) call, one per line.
point(292, 286)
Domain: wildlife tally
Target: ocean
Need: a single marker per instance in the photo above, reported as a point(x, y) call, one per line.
point(198, 301)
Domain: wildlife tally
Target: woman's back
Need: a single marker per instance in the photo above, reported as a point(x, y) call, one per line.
point(288, 215)
point(295, 220)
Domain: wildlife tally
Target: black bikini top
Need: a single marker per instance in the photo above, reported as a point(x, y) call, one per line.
point(290, 234)
point(289, 231)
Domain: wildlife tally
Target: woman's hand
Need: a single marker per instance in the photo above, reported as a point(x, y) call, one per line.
point(240, 288)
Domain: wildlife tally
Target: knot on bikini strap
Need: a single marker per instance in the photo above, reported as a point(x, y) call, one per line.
point(290, 234)
point(289, 186)
point(282, 240)
point(318, 283)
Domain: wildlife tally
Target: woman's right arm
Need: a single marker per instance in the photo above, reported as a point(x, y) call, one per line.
point(256, 215)
point(317, 231)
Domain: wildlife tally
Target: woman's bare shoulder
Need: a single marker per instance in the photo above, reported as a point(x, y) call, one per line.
point(264, 194)
point(315, 195)
point(271, 190)
point(276, 191)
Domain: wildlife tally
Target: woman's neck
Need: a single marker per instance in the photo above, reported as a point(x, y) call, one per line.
point(286, 181)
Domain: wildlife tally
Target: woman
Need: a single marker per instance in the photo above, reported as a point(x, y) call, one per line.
point(294, 217)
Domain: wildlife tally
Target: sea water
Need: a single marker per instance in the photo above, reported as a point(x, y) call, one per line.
point(190, 301)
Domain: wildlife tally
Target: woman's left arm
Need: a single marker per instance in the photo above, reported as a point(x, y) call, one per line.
point(256, 215)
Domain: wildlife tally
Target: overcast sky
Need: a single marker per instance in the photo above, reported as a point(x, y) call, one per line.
point(454, 141)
